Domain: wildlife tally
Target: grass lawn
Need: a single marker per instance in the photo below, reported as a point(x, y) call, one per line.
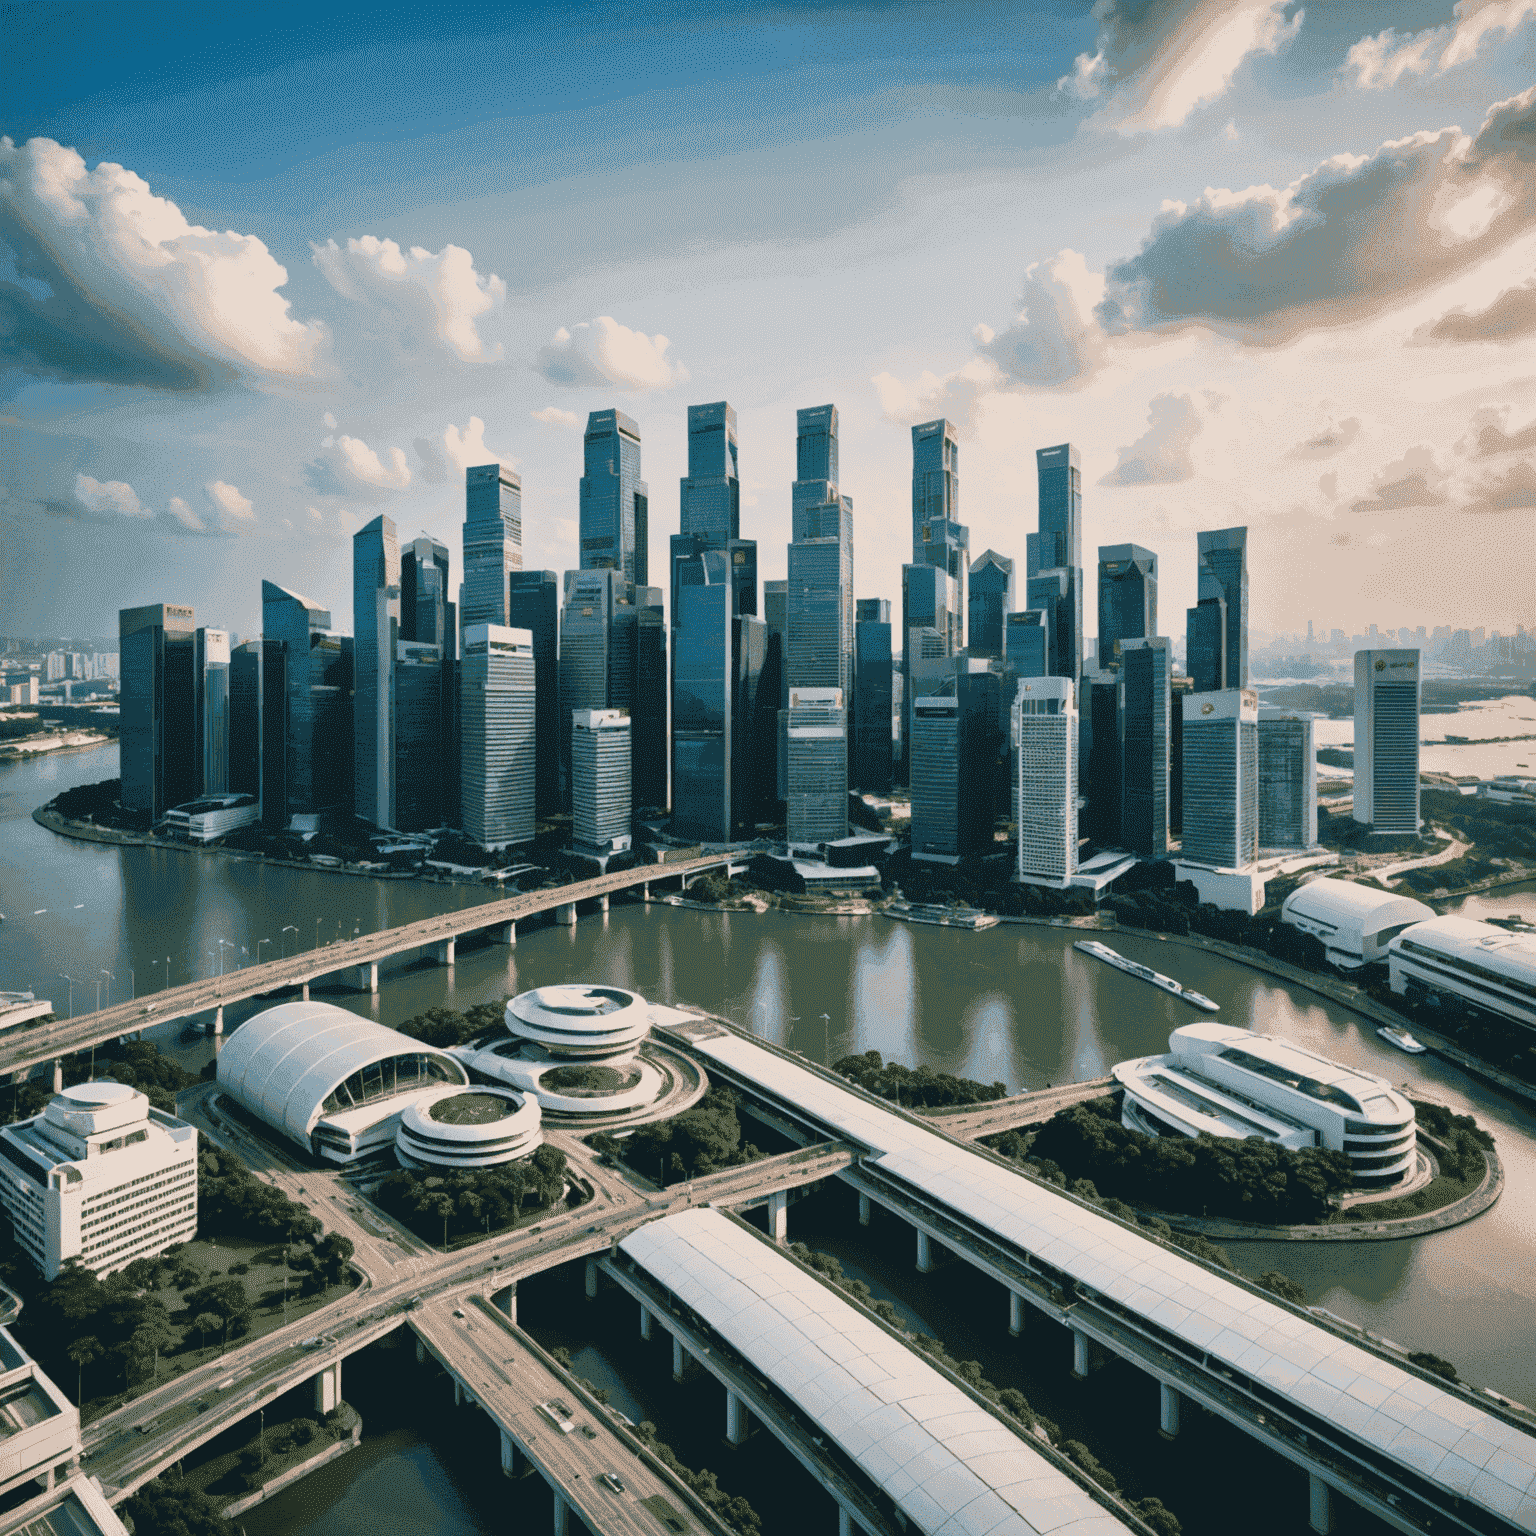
point(221, 1475)
point(1441, 1191)
point(581, 1082)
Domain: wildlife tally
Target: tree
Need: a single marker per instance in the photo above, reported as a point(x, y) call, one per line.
point(150, 1337)
point(203, 1322)
point(1284, 1287)
point(83, 1351)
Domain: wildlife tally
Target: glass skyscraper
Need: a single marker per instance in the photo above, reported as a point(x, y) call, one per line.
point(1387, 703)
point(601, 758)
point(1127, 597)
point(648, 707)
point(427, 618)
point(1059, 474)
point(939, 539)
point(376, 635)
point(419, 786)
point(819, 615)
point(1145, 676)
point(873, 697)
point(1205, 644)
point(160, 750)
point(615, 502)
point(499, 751)
point(711, 491)
point(1223, 573)
point(1287, 780)
point(493, 541)
point(1027, 643)
point(245, 719)
point(533, 604)
point(815, 729)
point(702, 714)
point(1051, 593)
point(991, 600)
point(211, 665)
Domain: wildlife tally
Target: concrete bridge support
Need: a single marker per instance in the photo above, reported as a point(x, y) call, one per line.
point(328, 1388)
point(421, 1353)
point(602, 903)
point(736, 1418)
point(645, 1324)
point(1081, 1354)
point(1319, 1505)
point(562, 1526)
point(679, 1358)
point(508, 1455)
point(864, 1210)
point(591, 1280)
point(1015, 1314)
point(58, 1077)
point(645, 892)
point(565, 915)
point(505, 934)
point(925, 1264)
point(505, 1302)
point(304, 992)
point(445, 952)
point(365, 978)
point(778, 1216)
point(218, 1021)
point(1168, 1403)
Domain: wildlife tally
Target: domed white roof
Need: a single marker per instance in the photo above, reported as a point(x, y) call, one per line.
point(468, 1128)
point(580, 1020)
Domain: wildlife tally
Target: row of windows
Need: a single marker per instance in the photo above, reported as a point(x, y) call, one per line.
point(145, 1197)
point(136, 1223)
point(1325, 1093)
point(1498, 1002)
point(117, 1191)
point(183, 1215)
point(1513, 983)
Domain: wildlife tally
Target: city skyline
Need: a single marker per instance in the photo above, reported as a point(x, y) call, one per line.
point(366, 376)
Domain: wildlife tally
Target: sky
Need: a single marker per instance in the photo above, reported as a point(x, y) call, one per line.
point(267, 273)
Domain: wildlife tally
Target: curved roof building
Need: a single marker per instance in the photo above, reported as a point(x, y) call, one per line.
point(580, 1020)
point(1355, 922)
point(327, 1079)
point(467, 1128)
point(1461, 963)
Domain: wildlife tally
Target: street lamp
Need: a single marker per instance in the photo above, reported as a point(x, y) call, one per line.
point(71, 981)
point(317, 933)
point(826, 1047)
point(259, 943)
point(167, 973)
point(223, 945)
point(110, 979)
point(133, 986)
point(283, 943)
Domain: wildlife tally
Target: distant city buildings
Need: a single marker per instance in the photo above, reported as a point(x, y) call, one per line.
point(1387, 695)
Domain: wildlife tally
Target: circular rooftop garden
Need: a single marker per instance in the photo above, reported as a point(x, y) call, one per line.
point(472, 1108)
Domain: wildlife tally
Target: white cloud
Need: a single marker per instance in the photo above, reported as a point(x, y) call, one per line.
point(347, 466)
point(446, 456)
point(1510, 316)
point(1379, 62)
point(116, 286)
point(602, 353)
point(435, 298)
point(110, 500)
point(1161, 455)
point(232, 512)
point(1331, 438)
point(107, 499)
point(184, 517)
point(553, 416)
point(1512, 491)
point(1415, 480)
point(1086, 81)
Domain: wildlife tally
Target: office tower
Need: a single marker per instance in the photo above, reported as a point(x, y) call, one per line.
point(493, 541)
point(1223, 573)
point(587, 678)
point(984, 727)
point(938, 538)
point(306, 709)
point(1127, 597)
point(499, 759)
point(776, 615)
point(753, 777)
point(1287, 780)
point(1027, 643)
point(158, 740)
point(1205, 644)
point(648, 707)
point(533, 604)
point(1059, 474)
point(711, 492)
point(428, 619)
point(600, 785)
point(1031, 555)
point(991, 600)
point(819, 619)
point(211, 669)
point(419, 786)
point(1052, 594)
point(245, 719)
point(815, 732)
point(1145, 673)
point(424, 605)
point(1221, 778)
point(702, 712)
point(1043, 741)
point(375, 638)
point(1387, 740)
point(1179, 690)
point(934, 761)
point(1099, 756)
point(873, 701)
point(615, 502)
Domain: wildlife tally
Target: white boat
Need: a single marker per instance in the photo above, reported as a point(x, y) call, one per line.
point(1145, 973)
point(942, 917)
point(1402, 1040)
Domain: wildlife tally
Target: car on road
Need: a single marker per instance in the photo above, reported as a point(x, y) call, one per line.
point(613, 1481)
point(458, 1311)
point(314, 1341)
point(588, 1431)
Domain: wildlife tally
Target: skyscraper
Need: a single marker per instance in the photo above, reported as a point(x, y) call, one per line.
point(376, 636)
point(591, 677)
point(1223, 573)
point(1127, 597)
point(776, 616)
point(991, 600)
point(1387, 697)
point(245, 719)
point(819, 615)
point(1205, 644)
point(615, 502)
point(600, 781)
point(427, 618)
point(419, 777)
point(1099, 753)
point(1043, 776)
point(1145, 675)
point(211, 667)
point(648, 708)
point(533, 604)
point(1051, 594)
point(1027, 643)
point(160, 752)
point(499, 756)
point(702, 704)
point(938, 537)
point(815, 728)
point(1059, 474)
point(953, 754)
point(873, 703)
point(493, 541)
point(1221, 779)
point(711, 492)
point(1287, 780)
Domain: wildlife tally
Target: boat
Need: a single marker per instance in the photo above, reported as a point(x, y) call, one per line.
point(941, 917)
point(1402, 1040)
point(1145, 973)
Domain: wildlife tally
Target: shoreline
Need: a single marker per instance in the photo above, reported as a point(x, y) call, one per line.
point(11, 752)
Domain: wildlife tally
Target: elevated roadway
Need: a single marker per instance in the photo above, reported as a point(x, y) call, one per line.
point(999, 1115)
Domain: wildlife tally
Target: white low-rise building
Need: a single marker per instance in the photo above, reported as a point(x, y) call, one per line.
point(580, 1021)
point(1355, 922)
point(201, 821)
point(328, 1080)
point(1469, 966)
point(22, 1008)
point(1219, 1080)
point(101, 1176)
point(468, 1128)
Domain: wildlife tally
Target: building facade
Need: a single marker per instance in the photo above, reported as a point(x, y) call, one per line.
point(1287, 780)
point(1223, 573)
point(615, 501)
point(1027, 643)
point(1043, 777)
point(815, 731)
point(1387, 698)
point(245, 719)
point(1221, 779)
point(493, 541)
point(1146, 666)
point(211, 668)
point(1060, 479)
point(600, 781)
point(990, 600)
point(375, 639)
point(1127, 597)
point(874, 704)
point(158, 741)
point(703, 721)
point(533, 604)
point(500, 748)
point(1205, 644)
point(939, 539)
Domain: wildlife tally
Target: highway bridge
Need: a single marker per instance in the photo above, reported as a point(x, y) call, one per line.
point(352, 962)
point(998, 1115)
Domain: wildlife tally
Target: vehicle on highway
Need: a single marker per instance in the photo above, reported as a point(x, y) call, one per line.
point(558, 1414)
point(614, 1482)
point(314, 1341)
point(414, 1304)
point(458, 1311)
point(588, 1431)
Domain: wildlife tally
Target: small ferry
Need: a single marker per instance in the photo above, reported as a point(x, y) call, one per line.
point(1146, 973)
point(1402, 1040)
point(942, 917)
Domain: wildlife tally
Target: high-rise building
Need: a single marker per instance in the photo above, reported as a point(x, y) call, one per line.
point(1145, 675)
point(499, 755)
point(1059, 475)
point(1052, 594)
point(702, 704)
point(1287, 780)
point(427, 618)
point(533, 604)
point(819, 614)
point(776, 616)
point(1387, 697)
point(600, 781)
point(938, 537)
point(245, 719)
point(1027, 643)
point(1205, 644)
point(991, 600)
point(1179, 690)
point(211, 669)
point(711, 492)
point(1127, 597)
point(419, 786)
point(493, 541)
point(815, 730)
point(159, 745)
point(648, 707)
point(375, 639)
point(615, 502)
point(588, 677)
point(1043, 774)
point(1221, 779)
point(1099, 756)
point(953, 753)
point(1223, 573)
point(873, 701)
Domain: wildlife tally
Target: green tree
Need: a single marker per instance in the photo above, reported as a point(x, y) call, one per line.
point(83, 1351)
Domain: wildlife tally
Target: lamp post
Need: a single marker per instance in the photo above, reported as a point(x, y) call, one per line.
point(282, 945)
point(826, 1038)
point(317, 933)
point(223, 945)
point(133, 986)
point(71, 994)
point(167, 974)
point(110, 979)
point(259, 943)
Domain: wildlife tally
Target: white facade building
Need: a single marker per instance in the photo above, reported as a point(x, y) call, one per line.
point(814, 736)
point(1224, 1081)
point(100, 1176)
point(600, 780)
point(1460, 963)
point(1043, 763)
point(498, 725)
point(580, 1021)
point(202, 820)
point(468, 1128)
point(1355, 922)
point(1221, 799)
point(1386, 770)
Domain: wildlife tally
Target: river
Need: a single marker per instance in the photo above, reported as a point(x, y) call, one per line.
point(1015, 1004)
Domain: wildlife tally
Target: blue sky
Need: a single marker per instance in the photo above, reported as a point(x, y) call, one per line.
point(264, 277)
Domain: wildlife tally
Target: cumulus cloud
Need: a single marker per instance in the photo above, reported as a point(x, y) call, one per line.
point(602, 353)
point(1160, 456)
point(106, 500)
point(229, 514)
point(110, 501)
point(1381, 61)
point(957, 396)
point(1328, 440)
point(1492, 437)
point(347, 466)
point(1155, 64)
point(1513, 491)
point(433, 298)
point(1415, 480)
point(1510, 316)
point(1341, 242)
point(553, 416)
point(107, 282)
point(446, 456)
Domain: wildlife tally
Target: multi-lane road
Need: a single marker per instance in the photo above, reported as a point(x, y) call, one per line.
point(1009, 1114)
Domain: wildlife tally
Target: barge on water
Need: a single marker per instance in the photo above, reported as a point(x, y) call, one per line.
point(941, 917)
point(1146, 973)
